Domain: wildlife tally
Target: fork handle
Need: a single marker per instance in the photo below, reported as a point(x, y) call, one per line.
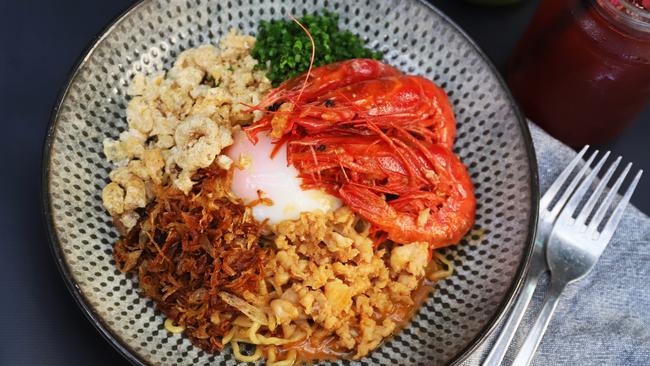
point(527, 350)
point(508, 330)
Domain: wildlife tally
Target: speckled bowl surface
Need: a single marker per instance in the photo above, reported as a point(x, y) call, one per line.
point(493, 141)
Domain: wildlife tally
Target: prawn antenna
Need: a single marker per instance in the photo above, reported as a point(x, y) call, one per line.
point(313, 55)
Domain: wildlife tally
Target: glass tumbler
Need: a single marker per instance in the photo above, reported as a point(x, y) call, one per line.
point(582, 69)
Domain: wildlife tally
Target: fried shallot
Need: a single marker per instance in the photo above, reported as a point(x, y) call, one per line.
point(189, 248)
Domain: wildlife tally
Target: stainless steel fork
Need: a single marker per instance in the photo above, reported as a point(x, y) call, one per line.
point(547, 215)
point(576, 244)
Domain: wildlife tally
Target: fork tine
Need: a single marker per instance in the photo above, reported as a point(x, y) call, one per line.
point(613, 221)
point(602, 209)
point(559, 181)
point(579, 194)
point(589, 206)
point(593, 197)
point(574, 182)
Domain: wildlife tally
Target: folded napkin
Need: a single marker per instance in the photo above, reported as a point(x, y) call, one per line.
point(603, 319)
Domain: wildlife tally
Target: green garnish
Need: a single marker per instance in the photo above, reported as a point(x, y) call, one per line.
point(287, 49)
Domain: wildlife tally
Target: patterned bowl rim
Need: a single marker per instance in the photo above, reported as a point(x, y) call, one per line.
point(125, 350)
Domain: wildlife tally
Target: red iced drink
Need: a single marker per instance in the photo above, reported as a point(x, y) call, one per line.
point(582, 69)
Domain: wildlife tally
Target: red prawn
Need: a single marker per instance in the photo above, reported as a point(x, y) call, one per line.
point(379, 140)
point(413, 103)
point(309, 86)
point(410, 189)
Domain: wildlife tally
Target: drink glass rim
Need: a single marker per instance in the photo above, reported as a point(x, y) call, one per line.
point(629, 14)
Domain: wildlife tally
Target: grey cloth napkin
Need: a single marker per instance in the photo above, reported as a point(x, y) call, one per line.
point(605, 318)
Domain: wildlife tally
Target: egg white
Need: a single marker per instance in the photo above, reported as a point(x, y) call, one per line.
point(273, 179)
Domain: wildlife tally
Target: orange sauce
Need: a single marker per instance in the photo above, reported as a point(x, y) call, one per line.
point(403, 314)
point(314, 349)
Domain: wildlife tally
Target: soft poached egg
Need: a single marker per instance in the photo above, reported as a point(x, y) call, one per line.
point(257, 174)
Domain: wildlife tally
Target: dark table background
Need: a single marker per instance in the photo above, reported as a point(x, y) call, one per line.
point(39, 322)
